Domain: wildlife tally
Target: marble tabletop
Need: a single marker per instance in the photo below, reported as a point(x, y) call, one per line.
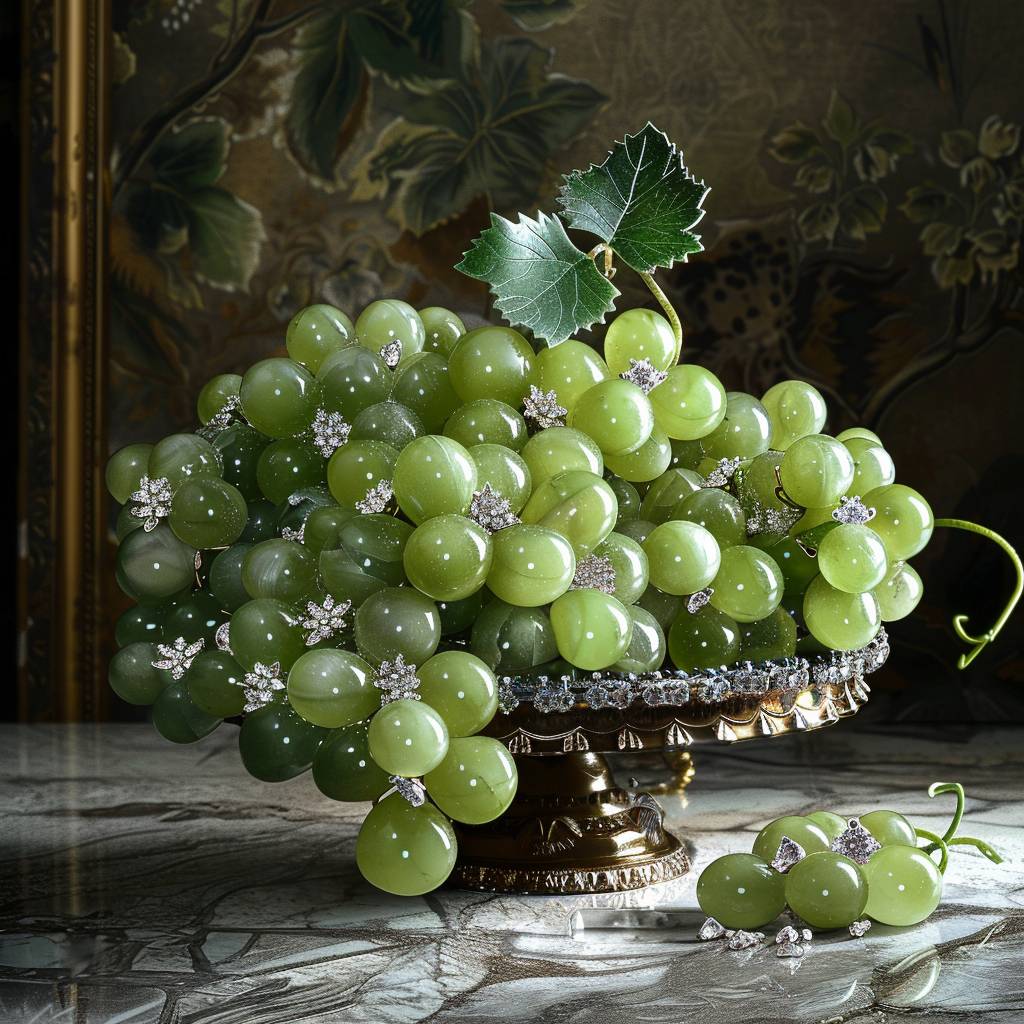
point(142, 882)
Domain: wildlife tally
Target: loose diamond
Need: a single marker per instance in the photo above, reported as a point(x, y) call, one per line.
point(860, 928)
point(745, 940)
point(595, 572)
point(856, 842)
point(644, 374)
point(710, 930)
point(222, 638)
point(260, 685)
point(409, 789)
point(152, 501)
point(788, 854)
point(221, 419)
point(542, 407)
point(722, 473)
point(323, 621)
point(377, 498)
point(793, 949)
point(391, 353)
point(786, 934)
point(330, 432)
point(697, 601)
point(491, 510)
point(396, 681)
point(177, 657)
point(853, 511)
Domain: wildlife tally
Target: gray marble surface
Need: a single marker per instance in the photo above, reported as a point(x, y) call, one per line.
point(143, 882)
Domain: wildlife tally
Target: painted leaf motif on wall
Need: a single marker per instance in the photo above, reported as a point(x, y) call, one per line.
point(536, 15)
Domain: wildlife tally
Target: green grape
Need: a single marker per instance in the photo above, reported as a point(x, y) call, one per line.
point(332, 688)
point(405, 850)
point(282, 569)
point(207, 512)
point(181, 456)
point(636, 529)
point(262, 522)
point(389, 422)
point(240, 447)
point(629, 560)
point(646, 650)
point(422, 386)
point(287, 466)
point(639, 334)
point(852, 558)
point(132, 675)
point(177, 719)
point(448, 557)
point(559, 449)
point(475, 782)
point(592, 629)
point(664, 607)
point(323, 527)
point(442, 329)
point(889, 828)
point(813, 518)
point(279, 397)
point(793, 826)
point(461, 689)
point(627, 497)
point(504, 471)
point(717, 511)
point(703, 639)
point(215, 684)
point(458, 616)
point(579, 505)
point(434, 475)
point(127, 522)
point(510, 639)
point(569, 369)
point(833, 825)
point(487, 421)
point(689, 404)
point(798, 567)
point(532, 565)
point(353, 379)
point(861, 432)
point(749, 584)
point(827, 890)
point(795, 409)
point(666, 492)
point(872, 465)
point(492, 362)
point(316, 332)
point(687, 454)
point(225, 579)
point(899, 593)
point(389, 320)
point(903, 520)
point(296, 509)
point(648, 462)
point(768, 639)
point(744, 431)
point(683, 557)
point(156, 565)
point(195, 618)
point(816, 471)
point(368, 557)
point(276, 744)
point(216, 393)
point(343, 768)
point(357, 467)
point(140, 623)
point(840, 621)
point(904, 886)
point(408, 737)
point(125, 468)
point(757, 485)
point(266, 631)
point(740, 890)
point(397, 621)
point(616, 415)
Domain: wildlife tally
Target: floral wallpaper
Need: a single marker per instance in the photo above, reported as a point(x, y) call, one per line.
point(864, 224)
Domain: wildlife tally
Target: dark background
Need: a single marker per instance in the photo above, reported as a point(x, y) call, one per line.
point(884, 267)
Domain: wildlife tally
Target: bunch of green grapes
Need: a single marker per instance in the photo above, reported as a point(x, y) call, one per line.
point(838, 872)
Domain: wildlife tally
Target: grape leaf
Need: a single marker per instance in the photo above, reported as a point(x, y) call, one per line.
point(539, 279)
point(642, 201)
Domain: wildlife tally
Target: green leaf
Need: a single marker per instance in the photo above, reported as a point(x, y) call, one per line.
point(193, 157)
point(818, 222)
point(940, 239)
point(225, 235)
point(794, 143)
point(535, 15)
point(539, 279)
point(862, 211)
point(840, 121)
point(926, 202)
point(642, 201)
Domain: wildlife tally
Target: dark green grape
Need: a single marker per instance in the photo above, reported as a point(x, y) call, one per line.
point(156, 565)
point(740, 890)
point(132, 675)
point(666, 492)
point(768, 639)
point(215, 684)
point(216, 393)
point(629, 560)
point(177, 719)
point(142, 623)
point(368, 557)
point(685, 454)
point(225, 580)
point(207, 512)
point(357, 467)
point(332, 688)
point(397, 621)
point(279, 397)
point(664, 607)
point(127, 466)
point(458, 616)
point(827, 890)
point(195, 618)
point(287, 466)
point(276, 744)
point(510, 639)
point(389, 422)
point(422, 385)
point(266, 631)
point(353, 379)
point(636, 529)
point(240, 447)
point(282, 569)
point(646, 650)
point(262, 524)
point(343, 768)
point(718, 512)
point(798, 567)
point(127, 522)
point(704, 639)
point(323, 527)
point(627, 498)
point(181, 456)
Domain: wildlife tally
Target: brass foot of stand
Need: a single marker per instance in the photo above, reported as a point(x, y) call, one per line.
point(570, 829)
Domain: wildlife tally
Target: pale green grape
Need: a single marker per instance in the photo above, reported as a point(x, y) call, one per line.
point(195, 617)
point(704, 639)
point(353, 379)
point(282, 569)
point(840, 621)
point(717, 511)
point(627, 497)
point(286, 466)
point(682, 557)
point(689, 404)
point(343, 768)
point(266, 631)
point(475, 782)
point(442, 328)
point(862, 432)
point(827, 890)
point(367, 557)
point(357, 467)
point(666, 492)
point(215, 393)
point(646, 650)
point(332, 688)
point(592, 629)
point(448, 557)
point(740, 890)
point(852, 558)
point(132, 676)
point(899, 592)
point(872, 465)
point(125, 468)
point(833, 825)
point(390, 320)
point(793, 826)
point(389, 422)
point(215, 684)
point(492, 362)
point(397, 620)
point(629, 560)
point(795, 409)
point(744, 431)
point(889, 828)
point(317, 331)
point(207, 512)
point(648, 462)
point(434, 475)
point(579, 505)
point(276, 744)
point(156, 565)
point(422, 385)
point(532, 565)
point(558, 449)
point(405, 850)
point(278, 397)
point(461, 689)
point(768, 639)
point(904, 886)
point(903, 520)
point(408, 737)
point(505, 471)
point(817, 470)
point(181, 456)
point(570, 369)
point(664, 607)
point(748, 585)
point(512, 639)
point(177, 719)
point(639, 334)
point(616, 415)
point(487, 421)
point(240, 447)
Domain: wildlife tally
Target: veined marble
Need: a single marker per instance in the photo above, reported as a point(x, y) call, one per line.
point(142, 882)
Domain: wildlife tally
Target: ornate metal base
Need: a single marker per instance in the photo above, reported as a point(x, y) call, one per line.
point(570, 829)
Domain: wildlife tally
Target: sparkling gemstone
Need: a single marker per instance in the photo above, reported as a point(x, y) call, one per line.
point(594, 572)
point(860, 928)
point(377, 498)
point(644, 374)
point(856, 842)
point(177, 657)
point(542, 407)
point(788, 854)
point(710, 929)
point(396, 680)
point(409, 789)
point(695, 602)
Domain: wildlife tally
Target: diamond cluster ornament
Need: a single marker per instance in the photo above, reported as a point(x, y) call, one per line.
point(595, 572)
point(722, 473)
point(377, 499)
point(330, 432)
point(491, 510)
point(396, 680)
point(409, 789)
point(789, 853)
point(177, 657)
point(391, 353)
point(644, 374)
point(853, 511)
point(324, 620)
point(260, 685)
point(289, 533)
point(222, 418)
point(222, 638)
point(855, 842)
point(542, 407)
point(152, 501)
point(695, 602)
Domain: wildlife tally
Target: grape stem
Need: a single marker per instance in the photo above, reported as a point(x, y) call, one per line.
point(670, 313)
point(978, 643)
point(949, 837)
point(935, 843)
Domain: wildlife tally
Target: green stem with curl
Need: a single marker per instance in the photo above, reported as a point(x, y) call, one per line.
point(978, 643)
point(935, 843)
point(949, 837)
point(937, 789)
point(670, 313)
point(979, 844)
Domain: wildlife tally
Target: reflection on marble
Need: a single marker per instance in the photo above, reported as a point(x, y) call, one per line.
point(142, 882)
